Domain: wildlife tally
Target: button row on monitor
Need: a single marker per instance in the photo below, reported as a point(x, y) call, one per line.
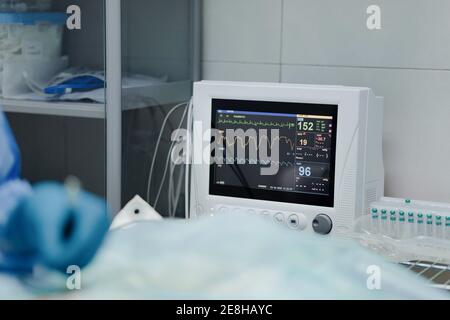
point(294, 221)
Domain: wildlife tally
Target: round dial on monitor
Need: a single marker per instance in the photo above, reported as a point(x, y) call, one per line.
point(322, 224)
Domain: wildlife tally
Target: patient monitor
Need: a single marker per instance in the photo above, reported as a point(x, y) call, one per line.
point(328, 163)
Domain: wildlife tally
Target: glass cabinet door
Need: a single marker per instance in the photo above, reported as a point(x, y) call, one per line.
point(56, 100)
point(159, 64)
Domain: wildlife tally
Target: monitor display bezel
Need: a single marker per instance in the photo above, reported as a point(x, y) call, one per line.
point(319, 109)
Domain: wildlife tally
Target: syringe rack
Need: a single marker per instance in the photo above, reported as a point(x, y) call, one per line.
point(415, 234)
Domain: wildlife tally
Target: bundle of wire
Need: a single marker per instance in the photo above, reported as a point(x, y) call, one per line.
point(175, 182)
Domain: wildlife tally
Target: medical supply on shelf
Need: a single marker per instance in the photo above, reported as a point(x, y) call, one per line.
point(328, 167)
point(25, 5)
point(77, 83)
point(71, 80)
point(32, 35)
point(137, 210)
point(20, 74)
point(32, 39)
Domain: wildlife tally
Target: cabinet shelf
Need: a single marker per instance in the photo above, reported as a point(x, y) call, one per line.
point(55, 108)
point(162, 94)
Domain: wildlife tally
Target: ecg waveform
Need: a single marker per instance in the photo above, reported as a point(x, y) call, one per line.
point(247, 141)
point(282, 125)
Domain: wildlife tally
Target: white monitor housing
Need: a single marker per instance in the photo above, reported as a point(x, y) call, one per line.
point(330, 153)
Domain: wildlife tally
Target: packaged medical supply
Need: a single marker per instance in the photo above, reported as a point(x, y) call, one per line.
point(31, 34)
point(20, 71)
point(78, 83)
point(31, 38)
point(25, 5)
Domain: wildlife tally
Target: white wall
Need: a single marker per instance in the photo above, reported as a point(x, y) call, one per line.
point(327, 42)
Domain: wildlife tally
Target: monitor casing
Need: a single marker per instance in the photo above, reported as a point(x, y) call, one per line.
point(359, 170)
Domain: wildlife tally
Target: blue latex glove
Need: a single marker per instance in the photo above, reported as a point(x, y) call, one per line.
point(44, 226)
point(55, 230)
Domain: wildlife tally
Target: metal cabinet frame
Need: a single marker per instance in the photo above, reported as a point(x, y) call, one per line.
point(114, 96)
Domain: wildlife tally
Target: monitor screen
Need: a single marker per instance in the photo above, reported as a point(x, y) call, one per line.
point(274, 151)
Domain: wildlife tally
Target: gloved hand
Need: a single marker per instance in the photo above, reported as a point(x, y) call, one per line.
point(45, 226)
point(56, 230)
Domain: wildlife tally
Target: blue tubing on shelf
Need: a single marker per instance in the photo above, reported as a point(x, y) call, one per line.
point(33, 18)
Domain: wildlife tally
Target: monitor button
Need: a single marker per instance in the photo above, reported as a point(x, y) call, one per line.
point(322, 224)
point(293, 221)
point(279, 218)
point(302, 222)
point(298, 221)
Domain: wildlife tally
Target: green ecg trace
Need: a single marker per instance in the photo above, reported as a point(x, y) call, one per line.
point(288, 125)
